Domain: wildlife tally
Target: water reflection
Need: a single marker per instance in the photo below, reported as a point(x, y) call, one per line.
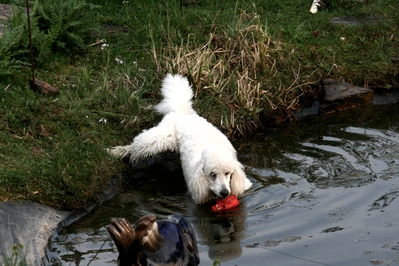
point(325, 193)
point(221, 232)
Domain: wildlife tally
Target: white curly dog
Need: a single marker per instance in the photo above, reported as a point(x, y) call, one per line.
point(208, 159)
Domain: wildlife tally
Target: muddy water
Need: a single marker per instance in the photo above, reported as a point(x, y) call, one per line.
point(325, 193)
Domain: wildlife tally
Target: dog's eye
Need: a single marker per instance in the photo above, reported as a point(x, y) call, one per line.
point(226, 174)
point(213, 175)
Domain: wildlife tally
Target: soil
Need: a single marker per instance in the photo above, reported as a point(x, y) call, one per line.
point(5, 14)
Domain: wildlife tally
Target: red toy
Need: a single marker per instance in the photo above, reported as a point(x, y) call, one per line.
point(225, 204)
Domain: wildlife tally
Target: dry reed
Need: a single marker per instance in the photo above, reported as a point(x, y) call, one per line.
point(236, 71)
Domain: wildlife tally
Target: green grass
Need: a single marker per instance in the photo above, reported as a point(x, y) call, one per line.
point(250, 62)
point(17, 258)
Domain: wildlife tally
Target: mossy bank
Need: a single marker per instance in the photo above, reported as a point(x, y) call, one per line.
point(250, 63)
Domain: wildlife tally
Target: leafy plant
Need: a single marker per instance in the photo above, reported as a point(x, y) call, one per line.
point(65, 24)
point(10, 45)
point(57, 26)
point(15, 260)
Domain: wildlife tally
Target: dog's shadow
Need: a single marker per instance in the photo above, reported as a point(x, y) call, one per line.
point(164, 169)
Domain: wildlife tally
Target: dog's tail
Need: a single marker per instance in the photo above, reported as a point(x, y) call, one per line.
point(177, 95)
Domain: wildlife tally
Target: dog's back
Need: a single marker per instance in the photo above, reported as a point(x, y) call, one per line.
point(193, 129)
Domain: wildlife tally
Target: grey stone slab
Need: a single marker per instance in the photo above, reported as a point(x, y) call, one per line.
point(30, 224)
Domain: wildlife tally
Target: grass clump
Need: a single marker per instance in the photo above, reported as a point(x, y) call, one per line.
point(16, 258)
point(250, 63)
point(236, 70)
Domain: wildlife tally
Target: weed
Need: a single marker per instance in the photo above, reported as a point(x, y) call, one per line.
point(15, 259)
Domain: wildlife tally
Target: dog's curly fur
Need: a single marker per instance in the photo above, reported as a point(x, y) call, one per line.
point(208, 159)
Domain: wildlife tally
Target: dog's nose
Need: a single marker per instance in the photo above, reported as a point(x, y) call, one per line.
point(224, 193)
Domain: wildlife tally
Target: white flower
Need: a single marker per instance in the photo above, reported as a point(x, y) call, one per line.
point(104, 45)
point(102, 120)
point(120, 61)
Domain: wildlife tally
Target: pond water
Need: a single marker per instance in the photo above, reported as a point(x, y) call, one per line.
point(325, 193)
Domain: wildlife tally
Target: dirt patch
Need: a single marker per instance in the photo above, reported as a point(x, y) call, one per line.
point(5, 14)
point(357, 20)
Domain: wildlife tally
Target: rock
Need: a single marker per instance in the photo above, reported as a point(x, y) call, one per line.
point(338, 90)
point(29, 224)
point(304, 111)
point(384, 96)
point(340, 96)
point(43, 87)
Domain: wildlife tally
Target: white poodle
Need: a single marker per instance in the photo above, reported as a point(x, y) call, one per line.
point(208, 159)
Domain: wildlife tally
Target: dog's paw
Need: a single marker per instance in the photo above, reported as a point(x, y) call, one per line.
point(119, 152)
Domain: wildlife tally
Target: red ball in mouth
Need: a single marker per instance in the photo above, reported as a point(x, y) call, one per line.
point(225, 204)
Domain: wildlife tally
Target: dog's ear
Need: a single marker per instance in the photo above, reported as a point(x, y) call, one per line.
point(239, 181)
point(198, 186)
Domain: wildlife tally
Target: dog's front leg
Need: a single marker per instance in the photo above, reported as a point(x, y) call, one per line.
point(150, 142)
point(120, 152)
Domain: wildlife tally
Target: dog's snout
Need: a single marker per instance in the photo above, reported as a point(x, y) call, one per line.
point(224, 193)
